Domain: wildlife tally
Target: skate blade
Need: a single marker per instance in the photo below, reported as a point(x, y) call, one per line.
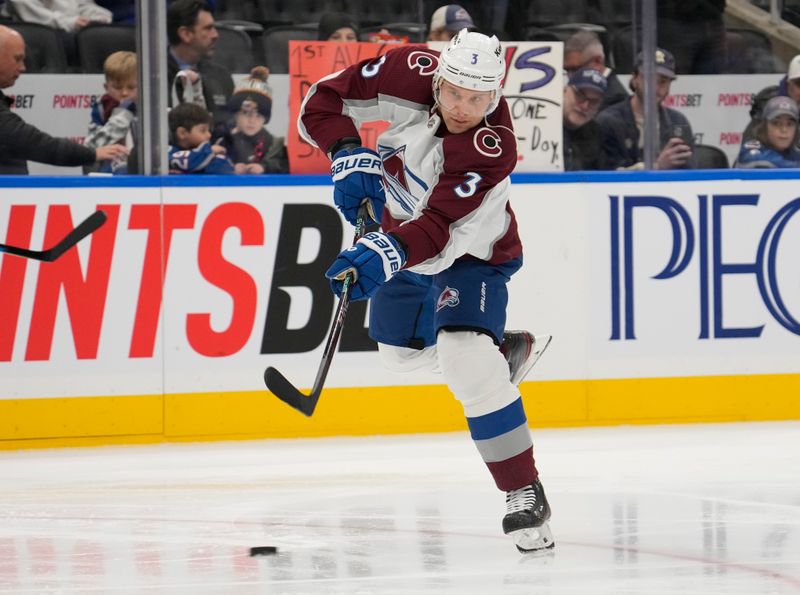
point(540, 343)
point(534, 539)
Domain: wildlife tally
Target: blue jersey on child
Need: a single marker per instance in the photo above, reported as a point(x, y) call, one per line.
point(200, 160)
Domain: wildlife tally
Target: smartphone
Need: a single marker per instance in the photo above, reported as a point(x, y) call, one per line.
point(682, 132)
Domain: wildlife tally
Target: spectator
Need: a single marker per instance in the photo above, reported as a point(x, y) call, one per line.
point(694, 31)
point(583, 96)
point(788, 86)
point(191, 151)
point(622, 124)
point(66, 15)
point(113, 114)
point(250, 146)
point(337, 26)
point(584, 49)
point(448, 20)
point(776, 137)
point(192, 76)
point(20, 142)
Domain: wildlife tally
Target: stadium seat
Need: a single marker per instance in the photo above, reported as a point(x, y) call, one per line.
point(233, 49)
point(97, 42)
point(272, 13)
point(546, 13)
point(276, 44)
point(371, 12)
point(710, 157)
point(44, 48)
point(622, 49)
point(612, 14)
point(750, 52)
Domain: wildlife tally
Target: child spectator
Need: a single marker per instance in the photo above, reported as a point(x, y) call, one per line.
point(250, 146)
point(114, 113)
point(788, 86)
point(337, 26)
point(190, 151)
point(775, 139)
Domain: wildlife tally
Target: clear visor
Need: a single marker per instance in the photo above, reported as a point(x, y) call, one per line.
point(463, 102)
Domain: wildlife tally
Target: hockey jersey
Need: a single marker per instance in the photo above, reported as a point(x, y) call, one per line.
point(200, 160)
point(447, 195)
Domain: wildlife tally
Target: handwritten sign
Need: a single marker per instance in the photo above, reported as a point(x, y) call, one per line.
point(533, 88)
point(309, 61)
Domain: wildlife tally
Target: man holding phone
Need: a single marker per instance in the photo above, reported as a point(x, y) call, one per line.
point(622, 124)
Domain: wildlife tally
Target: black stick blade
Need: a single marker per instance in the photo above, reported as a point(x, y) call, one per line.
point(86, 227)
point(286, 392)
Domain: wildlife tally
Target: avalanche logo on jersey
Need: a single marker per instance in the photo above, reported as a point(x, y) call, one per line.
point(396, 177)
point(448, 298)
point(487, 142)
point(424, 62)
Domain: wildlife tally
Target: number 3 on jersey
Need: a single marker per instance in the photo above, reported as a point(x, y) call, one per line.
point(469, 186)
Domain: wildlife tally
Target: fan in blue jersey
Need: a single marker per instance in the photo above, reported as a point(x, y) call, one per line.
point(191, 151)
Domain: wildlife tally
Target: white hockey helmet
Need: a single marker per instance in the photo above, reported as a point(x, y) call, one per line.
point(473, 61)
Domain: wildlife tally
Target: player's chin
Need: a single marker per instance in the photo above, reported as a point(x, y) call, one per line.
point(459, 126)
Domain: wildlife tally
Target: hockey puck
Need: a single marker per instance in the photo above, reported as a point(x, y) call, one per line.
point(263, 550)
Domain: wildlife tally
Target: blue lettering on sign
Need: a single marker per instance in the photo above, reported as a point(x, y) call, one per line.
point(712, 269)
point(526, 61)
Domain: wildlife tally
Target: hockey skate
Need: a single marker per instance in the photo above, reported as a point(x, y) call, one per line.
point(527, 513)
point(522, 350)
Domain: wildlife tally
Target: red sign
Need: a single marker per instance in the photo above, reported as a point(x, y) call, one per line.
point(309, 61)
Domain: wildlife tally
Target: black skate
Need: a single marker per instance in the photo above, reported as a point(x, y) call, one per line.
point(522, 350)
point(527, 513)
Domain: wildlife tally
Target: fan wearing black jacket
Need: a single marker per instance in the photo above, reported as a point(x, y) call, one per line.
point(21, 142)
point(193, 76)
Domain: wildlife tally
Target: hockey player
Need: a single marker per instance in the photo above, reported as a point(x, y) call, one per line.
point(438, 270)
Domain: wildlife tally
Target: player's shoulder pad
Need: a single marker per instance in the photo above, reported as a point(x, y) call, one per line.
point(397, 62)
point(490, 150)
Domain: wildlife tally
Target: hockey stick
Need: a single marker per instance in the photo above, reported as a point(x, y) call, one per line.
point(87, 226)
point(277, 382)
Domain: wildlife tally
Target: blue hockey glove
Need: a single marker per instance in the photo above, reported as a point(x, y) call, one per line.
point(374, 259)
point(358, 176)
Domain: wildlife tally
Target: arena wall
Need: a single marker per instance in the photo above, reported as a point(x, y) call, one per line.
point(672, 297)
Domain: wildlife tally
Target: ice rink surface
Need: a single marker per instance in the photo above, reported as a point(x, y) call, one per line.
point(695, 509)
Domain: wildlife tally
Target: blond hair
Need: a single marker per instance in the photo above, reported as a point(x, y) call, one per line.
point(120, 66)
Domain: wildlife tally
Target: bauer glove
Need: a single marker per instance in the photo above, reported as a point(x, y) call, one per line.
point(357, 177)
point(373, 260)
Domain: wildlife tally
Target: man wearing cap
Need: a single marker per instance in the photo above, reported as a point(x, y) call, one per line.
point(788, 86)
point(448, 20)
point(583, 49)
point(583, 95)
point(622, 124)
point(775, 137)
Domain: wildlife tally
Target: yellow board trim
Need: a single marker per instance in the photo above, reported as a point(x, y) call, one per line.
point(90, 421)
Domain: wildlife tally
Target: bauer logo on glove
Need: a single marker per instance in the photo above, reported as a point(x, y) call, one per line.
point(374, 259)
point(355, 163)
point(357, 178)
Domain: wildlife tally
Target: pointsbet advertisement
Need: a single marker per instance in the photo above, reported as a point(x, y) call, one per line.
point(196, 290)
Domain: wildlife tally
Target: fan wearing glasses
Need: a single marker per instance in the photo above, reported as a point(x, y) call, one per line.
point(583, 95)
point(583, 49)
